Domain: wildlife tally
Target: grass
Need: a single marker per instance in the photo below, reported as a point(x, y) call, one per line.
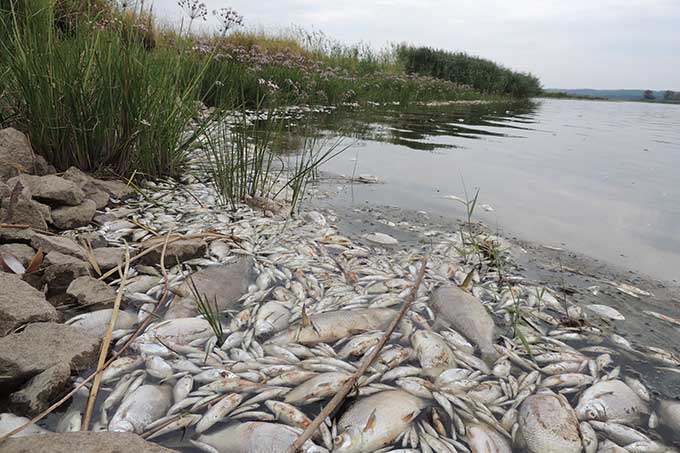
point(105, 88)
point(209, 311)
point(482, 74)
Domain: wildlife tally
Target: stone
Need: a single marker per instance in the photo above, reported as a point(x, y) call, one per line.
point(109, 257)
point(224, 284)
point(181, 250)
point(85, 182)
point(4, 190)
point(95, 238)
point(41, 346)
point(69, 217)
point(90, 291)
point(58, 276)
point(42, 390)
point(21, 235)
point(16, 155)
point(22, 252)
point(51, 189)
point(115, 189)
point(82, 442)
point(59, 244)
point(45, 210)
point(21, 304)
point(21, 210)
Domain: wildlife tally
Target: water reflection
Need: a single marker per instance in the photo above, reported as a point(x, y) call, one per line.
point(596, 177)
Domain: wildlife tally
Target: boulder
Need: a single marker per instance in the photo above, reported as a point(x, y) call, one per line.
point(16, 155)
point(59, 244)
point(21, 304)
point(21, 210)
point(69, 217)
point(90, 291)
point(82, 442)
point(42, 390)
point(85, 182)
point(224, 284)
point(41, 346)
point(22, 252)
point(51, 189)
point(109, 257)
point(116, 189)
point(181, 250)
point(45, 210)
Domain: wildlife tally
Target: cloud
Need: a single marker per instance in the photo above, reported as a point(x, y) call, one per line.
point(580, 43)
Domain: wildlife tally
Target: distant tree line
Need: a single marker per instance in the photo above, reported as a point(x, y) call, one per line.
point(481, 74)
point(668, 95)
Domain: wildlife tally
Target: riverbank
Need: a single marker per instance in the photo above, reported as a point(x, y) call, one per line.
point(299, 303)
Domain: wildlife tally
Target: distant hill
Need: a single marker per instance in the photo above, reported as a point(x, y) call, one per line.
point(625, 95)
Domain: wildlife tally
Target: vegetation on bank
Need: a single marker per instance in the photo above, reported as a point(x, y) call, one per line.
point(483, 75)
point(106, 87)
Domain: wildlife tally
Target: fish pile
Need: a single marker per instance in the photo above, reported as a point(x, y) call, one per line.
point(477, 364)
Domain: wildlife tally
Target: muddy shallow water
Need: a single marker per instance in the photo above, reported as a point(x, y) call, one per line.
point(599, 178)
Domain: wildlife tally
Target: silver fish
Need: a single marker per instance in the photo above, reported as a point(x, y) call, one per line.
point(548, 424)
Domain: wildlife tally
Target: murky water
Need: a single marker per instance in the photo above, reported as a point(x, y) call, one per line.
point(599, 178)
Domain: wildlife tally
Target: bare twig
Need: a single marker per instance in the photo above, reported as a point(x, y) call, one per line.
point(106, 344)
point(365, 364)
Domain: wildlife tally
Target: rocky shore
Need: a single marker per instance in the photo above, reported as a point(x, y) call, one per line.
point(483, 360)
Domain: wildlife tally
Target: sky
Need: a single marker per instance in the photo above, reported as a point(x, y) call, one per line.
point(567, 44)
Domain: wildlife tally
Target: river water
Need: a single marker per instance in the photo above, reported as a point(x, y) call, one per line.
point(600, 178)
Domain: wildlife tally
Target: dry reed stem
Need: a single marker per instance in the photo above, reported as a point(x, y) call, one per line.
point(84, 426)
point(367, 362)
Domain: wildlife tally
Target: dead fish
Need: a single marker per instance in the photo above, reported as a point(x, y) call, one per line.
point(9, 422)
point(96, 322)
point(177, 331)
point(548, 424)
point(433, 352)
point(484, 439)
point(376, 421)
point(611, 400)
point(669, 414)
point(254, 437)
point(589, 437)
point(606, 311)
point(271, 318)
point(142, 407)
point(332, 326)
point(218, 411)
point(381, 238)
point(466, 314)
point(316, 388)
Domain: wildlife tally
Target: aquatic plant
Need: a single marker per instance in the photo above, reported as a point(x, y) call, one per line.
point(480, 73)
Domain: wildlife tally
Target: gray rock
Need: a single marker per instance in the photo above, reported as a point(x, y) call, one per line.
point(110, 257)
point(182, 250)
point(16, 155)
point(51, 189)
point(69, 217)
point(21, 304)
point(82, 442)
point(115, 189)
point(41, 346)
point(95, 238)
point(42, 390)
point(12, 235)
point(223, 284)
point(22, 252)
point(59, 244)
point(59, 276)
point(86, 183)
point(21, 210)
point(90, 291)
point(45, 210)
point(4, 190)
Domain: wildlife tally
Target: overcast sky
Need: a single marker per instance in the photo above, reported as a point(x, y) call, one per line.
point(567, 43)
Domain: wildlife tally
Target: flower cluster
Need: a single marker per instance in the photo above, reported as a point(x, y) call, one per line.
point(194, 9)
point(229, 18)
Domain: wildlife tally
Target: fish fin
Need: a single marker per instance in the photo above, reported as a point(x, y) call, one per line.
point(370, 423)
